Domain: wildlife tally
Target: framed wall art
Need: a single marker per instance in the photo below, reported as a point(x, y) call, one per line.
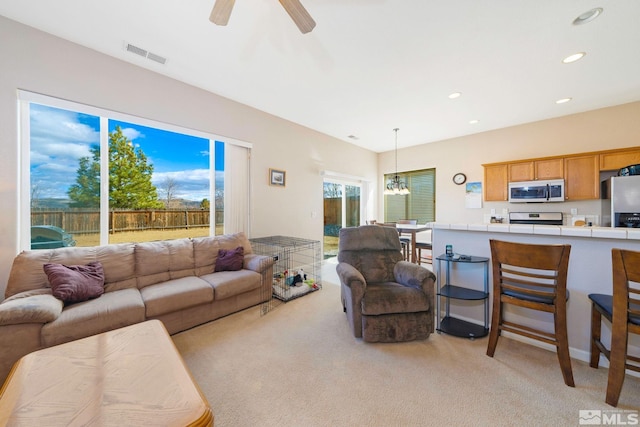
point(277, 177)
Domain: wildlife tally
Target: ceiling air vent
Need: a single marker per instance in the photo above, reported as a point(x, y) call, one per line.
point(135, 49)
point(141, 52)
point(157, 58)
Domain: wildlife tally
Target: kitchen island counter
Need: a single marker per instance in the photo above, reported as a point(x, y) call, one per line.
point(589, 270)
point(550, 230)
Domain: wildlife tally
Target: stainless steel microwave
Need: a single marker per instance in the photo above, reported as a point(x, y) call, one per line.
point(537, 191)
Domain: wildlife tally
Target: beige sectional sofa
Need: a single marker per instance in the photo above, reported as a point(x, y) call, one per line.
point(171, 280)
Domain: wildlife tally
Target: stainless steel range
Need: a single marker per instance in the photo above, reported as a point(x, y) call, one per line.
point(547, 218)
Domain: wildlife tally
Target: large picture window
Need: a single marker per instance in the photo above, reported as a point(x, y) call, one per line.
point(419, 204)
point(96, 177)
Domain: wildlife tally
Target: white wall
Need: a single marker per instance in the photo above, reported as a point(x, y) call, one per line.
point(608, 128)
point(38, 62)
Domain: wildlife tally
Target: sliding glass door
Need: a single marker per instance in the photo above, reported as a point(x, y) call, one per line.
point(342, 208)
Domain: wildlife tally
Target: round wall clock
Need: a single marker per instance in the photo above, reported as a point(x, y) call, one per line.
point(459, 178)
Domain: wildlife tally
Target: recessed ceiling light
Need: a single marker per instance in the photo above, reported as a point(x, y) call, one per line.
point(563, 100)
point(455, 95)
point(474, 121)
point(573, 58)
point(588, 16)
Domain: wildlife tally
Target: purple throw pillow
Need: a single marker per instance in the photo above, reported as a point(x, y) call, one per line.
point(230, 260)
point(75, 283)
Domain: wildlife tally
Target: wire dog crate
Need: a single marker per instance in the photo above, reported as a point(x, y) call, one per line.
point(297, 267)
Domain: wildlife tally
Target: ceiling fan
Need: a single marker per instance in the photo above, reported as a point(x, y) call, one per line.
point(222, 10)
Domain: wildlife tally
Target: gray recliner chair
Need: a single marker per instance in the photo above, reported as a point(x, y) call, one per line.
point(385, 298)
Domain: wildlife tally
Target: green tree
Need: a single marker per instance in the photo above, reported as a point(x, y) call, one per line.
point(130, 185)
point(85, 193)
point(205, 204)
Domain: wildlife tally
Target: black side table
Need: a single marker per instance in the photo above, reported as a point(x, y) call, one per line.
point(452, 325)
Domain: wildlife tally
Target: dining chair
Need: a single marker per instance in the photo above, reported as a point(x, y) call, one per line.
point(622, 310)
point(405, 240)
point(423, 243)
point(532, 276)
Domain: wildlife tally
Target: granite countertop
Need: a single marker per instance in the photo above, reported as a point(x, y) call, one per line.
point(549, 230)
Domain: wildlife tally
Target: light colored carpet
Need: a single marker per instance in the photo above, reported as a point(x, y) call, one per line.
point(299, 365)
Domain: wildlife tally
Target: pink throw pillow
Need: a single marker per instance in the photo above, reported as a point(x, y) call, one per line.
point(230, 260)
point(75, 283)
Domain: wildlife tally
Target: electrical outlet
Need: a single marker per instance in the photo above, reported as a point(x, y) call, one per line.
point(493, 212)
point(574, 211)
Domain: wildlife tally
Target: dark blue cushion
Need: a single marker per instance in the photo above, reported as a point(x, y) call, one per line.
point(605, 302)
point(532, 298)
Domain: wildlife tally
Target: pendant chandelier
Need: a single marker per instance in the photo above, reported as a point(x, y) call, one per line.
point(395, 186)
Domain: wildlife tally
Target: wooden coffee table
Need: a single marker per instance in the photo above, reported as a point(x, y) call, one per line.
point(132, 376)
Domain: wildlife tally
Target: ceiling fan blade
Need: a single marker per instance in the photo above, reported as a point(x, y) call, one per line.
point(221, 11)
point(299, 14)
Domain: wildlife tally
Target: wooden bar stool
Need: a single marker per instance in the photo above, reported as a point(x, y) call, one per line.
point(426, 246)
point(533, 277)
point(622, 310)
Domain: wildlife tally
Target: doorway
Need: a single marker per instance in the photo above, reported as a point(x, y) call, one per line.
point(342, 208)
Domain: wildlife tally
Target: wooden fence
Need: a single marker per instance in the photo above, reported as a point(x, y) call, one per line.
point(79, 221)
point(333, 211)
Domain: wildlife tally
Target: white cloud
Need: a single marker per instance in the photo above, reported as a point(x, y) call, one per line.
point(60, 125)
point(58, 140)
point(191, 184)
point(132, 134)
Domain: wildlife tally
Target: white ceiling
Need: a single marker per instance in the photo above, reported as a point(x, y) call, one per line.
point(370, 66)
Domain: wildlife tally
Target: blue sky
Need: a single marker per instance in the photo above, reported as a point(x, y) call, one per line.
point(59, 138)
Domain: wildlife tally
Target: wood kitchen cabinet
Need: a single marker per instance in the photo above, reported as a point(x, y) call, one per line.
point(521, 171)
point(549, 169)
point(581, 172)
point(582, 177)
point(614, 160)
point(495, 182)
point(536, 169)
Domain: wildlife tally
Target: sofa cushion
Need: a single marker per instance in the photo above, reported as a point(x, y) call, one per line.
point(206, 249)
point(175, 295)
point(27, 272)
point(230, 283)
point(75, 283)
point(37, 306)
point(163, 260)
point(119, 263)
point(230, 260)
point(112, 310)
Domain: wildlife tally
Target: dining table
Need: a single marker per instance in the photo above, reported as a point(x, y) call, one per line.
point(412, 229)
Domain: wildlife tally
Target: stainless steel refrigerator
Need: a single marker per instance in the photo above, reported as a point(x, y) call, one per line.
point(621, 201)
